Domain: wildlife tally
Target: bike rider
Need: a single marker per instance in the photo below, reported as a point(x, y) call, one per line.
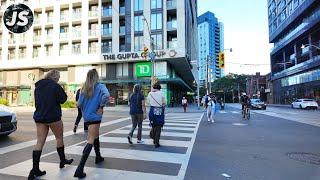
point(245, 101)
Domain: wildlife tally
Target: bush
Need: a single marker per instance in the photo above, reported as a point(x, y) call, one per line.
point(69, 104)
point(4, 102)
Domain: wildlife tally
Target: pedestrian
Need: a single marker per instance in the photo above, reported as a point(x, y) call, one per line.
point(211, 108)
point(137, 112)
point(184, 103)
point(79, 116)
point(206, 101)
point(156, 114)
point(93, 98)
point(172, 101)
point(48, 96)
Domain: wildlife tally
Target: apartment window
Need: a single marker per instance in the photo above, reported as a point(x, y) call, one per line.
point(93, 11)
point(76, 31)
point(49, 33)
point(138, 23)
point(22, 53)
point(37, 35)
point(138, 43)
point(93, 29)
point(12, 39)
point(64, 15)
point(63, 49)
point(157, 39)
point(12, 53)
point(155, 4)
point(122, 70)
point(107, 28)
point(49, 16)
point(156, 21)
point(106, 46)
point(138, 5)
point(76, 13)
point(106, 10)
point(76, 48)
point(93, 47)
point(48, 50)
point(37, 17)
point(64, 31)
point(36, 51)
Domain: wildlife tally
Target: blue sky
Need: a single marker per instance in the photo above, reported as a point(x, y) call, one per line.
point(246, 32)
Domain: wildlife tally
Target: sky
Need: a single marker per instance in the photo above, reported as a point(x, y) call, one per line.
point(245, 31)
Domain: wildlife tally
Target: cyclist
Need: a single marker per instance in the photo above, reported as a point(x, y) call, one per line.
point(245, 101)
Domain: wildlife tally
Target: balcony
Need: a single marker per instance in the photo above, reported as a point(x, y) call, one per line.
point(36, 20)
point(93, 50)
point(11, 41)
point(107, 32)
point(122, 11)
point(11, 56)
point(76, 50)
point(36, 38)
point(49, 37)
point(106, 49)
point(106, 12)
point(76, 15)
point(171, 4)
point(93, 32)
point(49, 19)
point(63, 17)
point(35, 54)
point(172, 44)
point(22, 39)
point(122, 30)
point(22, 55)
point(63, 35)
point(93, 14)
point(76, 34)
point(172, 25)
point(122, 48)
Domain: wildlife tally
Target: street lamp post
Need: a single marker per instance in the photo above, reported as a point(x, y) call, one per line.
point(306, 45)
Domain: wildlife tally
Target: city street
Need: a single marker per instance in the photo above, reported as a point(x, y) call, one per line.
point(265, 147)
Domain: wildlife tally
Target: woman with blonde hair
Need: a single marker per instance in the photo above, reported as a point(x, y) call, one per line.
point(93, 97)
point(48, 96)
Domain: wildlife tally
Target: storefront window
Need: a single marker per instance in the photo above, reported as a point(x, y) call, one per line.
point(301, 78)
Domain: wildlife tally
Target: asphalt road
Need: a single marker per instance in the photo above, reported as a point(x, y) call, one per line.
point(275, 144)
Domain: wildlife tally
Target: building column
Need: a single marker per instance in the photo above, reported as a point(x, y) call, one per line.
point(310, 49)
point(284, 59)
point(296, 54)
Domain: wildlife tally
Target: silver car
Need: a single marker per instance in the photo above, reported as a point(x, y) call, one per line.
point(8, 121)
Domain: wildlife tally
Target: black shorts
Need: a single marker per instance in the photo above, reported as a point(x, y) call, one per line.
point(45, 121)
point(91, 122)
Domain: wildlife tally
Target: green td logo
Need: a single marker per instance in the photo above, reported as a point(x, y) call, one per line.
point(143, 69)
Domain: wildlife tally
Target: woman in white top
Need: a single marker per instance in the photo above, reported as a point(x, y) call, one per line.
point(211, 108)
point(157, 104)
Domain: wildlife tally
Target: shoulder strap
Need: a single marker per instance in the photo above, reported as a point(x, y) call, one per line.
point(155, 100)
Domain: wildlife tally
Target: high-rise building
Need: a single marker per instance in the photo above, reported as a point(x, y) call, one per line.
point(294, 28)
point(210, 43)
point(74, 36)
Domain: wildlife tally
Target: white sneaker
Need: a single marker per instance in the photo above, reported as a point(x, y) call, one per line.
point(140, 141)
point(212, 121)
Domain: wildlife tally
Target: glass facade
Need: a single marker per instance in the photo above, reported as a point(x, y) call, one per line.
point(301, 78)
point(138, 43)
point(156, 21)
point(138, 23)
point(156, 4)
point(138, 5)
point(158, 41)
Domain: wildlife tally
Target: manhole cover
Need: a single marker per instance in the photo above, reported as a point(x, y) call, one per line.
point(305, 157)
point(239, 124)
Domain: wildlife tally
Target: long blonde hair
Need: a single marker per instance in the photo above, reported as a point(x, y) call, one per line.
point(91, 80)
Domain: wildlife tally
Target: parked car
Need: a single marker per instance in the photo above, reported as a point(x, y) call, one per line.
point(8, 121)
point(257, 104)
point(305, 104)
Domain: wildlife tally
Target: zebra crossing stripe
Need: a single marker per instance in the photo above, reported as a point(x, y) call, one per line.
point(174, 134)
point(178, 124)
point(146, 141)
point(181, 121)
point(53, 172)
point(132, 154)
point(167, 127)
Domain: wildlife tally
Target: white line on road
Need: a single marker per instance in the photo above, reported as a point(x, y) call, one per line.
point(165, 127)
point(146, 141)
point(174, 134)
point(178, 124)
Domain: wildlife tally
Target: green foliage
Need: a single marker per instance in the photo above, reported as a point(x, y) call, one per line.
point(69, 104)
point(4, 102)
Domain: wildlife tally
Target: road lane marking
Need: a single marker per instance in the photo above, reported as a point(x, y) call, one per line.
point(165, 127)
point(146, 141)
point(174, 134)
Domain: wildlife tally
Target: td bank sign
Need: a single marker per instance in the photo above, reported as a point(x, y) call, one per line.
point(143, 69)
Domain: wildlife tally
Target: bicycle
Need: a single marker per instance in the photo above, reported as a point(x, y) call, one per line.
point(246, 112)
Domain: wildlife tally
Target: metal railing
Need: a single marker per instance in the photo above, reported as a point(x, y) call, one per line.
point(76, 15)
point(76, 34)
point(76, 50)
point(93, 50)
point(106, 12)
point(93, 32)
point(93, 13)
point(63, 17)
point(63, 35)
point(107, 32)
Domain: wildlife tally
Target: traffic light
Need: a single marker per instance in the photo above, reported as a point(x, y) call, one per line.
point(221, 60)
point(145, 52)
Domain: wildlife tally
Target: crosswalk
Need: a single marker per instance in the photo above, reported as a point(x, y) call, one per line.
point(124, 161)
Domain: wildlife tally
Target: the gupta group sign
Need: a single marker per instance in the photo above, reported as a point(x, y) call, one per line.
point(136, 55)
point(143, 69)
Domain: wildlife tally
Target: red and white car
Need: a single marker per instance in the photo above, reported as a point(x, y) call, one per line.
point(305, 104)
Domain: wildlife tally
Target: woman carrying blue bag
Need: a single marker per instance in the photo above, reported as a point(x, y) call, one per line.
point(156, 114)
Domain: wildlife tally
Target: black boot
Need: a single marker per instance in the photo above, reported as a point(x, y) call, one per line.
point(35, 171)
point(85, 154)
point(96, 146)
point(63, 160)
